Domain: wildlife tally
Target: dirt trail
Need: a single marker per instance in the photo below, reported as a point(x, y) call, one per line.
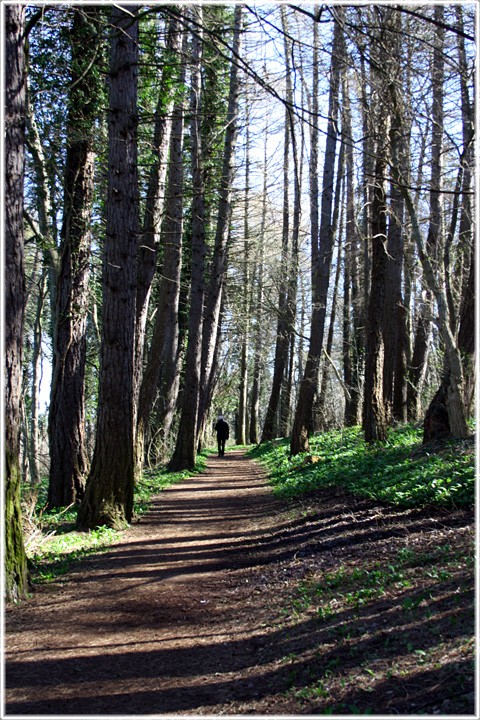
point(198, 610)
point(142, 628)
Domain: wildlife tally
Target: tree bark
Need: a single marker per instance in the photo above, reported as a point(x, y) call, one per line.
point(45, 229)
point(375, 419)
point(292, 274)
point(287, 289)
point(15, 568)
point(374, 407)
point(108, 498)
point(66, 419)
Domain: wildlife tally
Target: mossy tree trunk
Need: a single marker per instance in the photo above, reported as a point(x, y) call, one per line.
point(16, 574)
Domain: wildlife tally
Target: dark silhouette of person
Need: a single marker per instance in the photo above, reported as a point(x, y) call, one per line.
point(223, 432)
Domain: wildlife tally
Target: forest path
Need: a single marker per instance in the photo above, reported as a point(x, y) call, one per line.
point(225, 600)
point(143, 628)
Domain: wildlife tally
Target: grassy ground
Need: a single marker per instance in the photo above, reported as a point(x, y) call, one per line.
point(401, 471)
point(383, 575)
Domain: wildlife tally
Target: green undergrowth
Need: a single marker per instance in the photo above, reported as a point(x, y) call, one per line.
point(53, 543)
point(401, 471)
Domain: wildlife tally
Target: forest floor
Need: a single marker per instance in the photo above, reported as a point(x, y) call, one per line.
point(226, 600)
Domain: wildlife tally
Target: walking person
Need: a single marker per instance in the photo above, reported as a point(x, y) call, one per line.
point(223, 432)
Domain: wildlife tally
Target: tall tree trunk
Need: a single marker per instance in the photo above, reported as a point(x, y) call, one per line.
point(45, 229)
point(160, 371)
point(292, 286)
point(322, 395)
point(36, 375)
point(350, 281)
point(148, 245)
point(454, 388)
point(424, 328)
point(444, 415)
point(108, 498)
point(271, 425)
point(245, 322)
point(259, 316)
point(218, 264)
point(321, 257)
point(375, 419)
point(466, 338)
point(185, 452)
point(394, 331)
point(15, 569)
point(66, 418)
point(281, 345)
point(375, 410)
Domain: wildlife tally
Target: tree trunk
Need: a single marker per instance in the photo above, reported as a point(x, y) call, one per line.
point(288, 283)
point(375, 419)
point(160, 371)
point(375, 413)
point(435, 231)
point(149, 240)
point(394, 378)
point(321, 258)
point(66, 419)
point(45, 228)
point(108, 498)
point(466, 339)
point(322, 395)
point(455, 391)
point(350, 281)
point(185, 452)
point(292, 285)
point(15, 568)
point(258, 345)
point(242, 402)
point(36, 375)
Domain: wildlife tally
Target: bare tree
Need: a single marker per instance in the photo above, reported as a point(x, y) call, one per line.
point(321, 256)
